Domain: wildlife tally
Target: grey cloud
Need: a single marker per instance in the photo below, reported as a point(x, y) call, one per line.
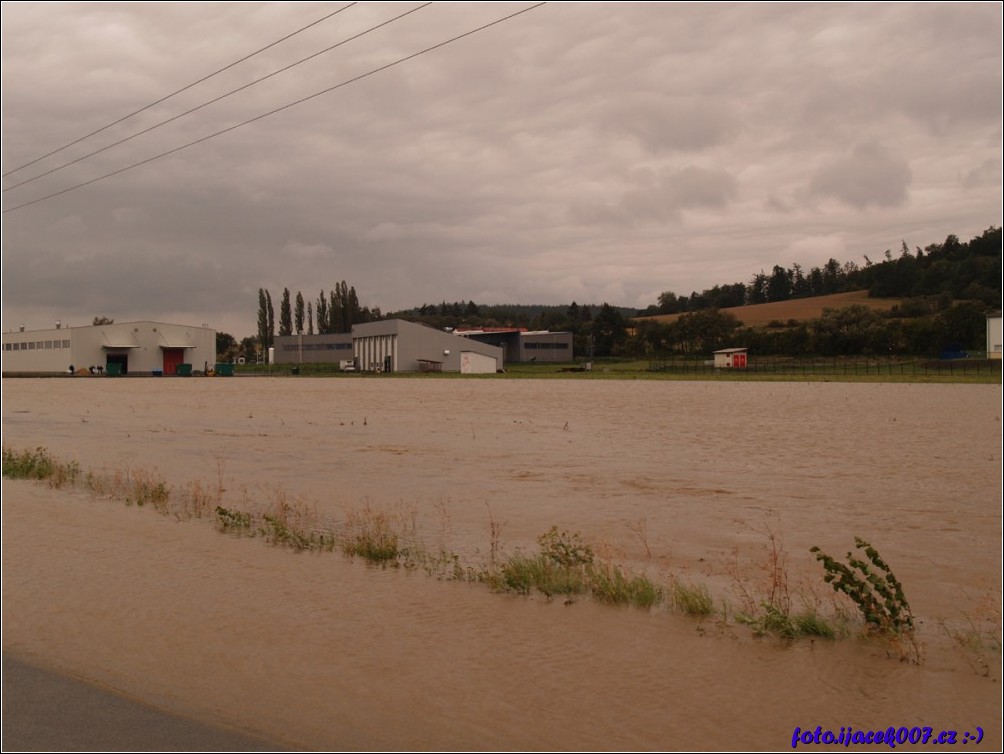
point(663, 123)
point(868, 177)
point(692, 187)
point(987, 173)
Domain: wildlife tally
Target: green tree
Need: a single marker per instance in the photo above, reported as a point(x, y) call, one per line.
point(670, 303)
point(285, 314)
point(262, 319)
point(271, 321)
point(779, 284)
point(321, 310)
point(335, 310)
point(850, 330)
point(705, 331)
point(298, 313)
point(609, 331)
point(103, 321)
point(964, 326)
point(226, 346)
point(249, 348)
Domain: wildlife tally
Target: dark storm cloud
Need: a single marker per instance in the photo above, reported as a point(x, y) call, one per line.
point(558, 156)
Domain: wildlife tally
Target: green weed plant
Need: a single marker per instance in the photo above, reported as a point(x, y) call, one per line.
point(871, 585)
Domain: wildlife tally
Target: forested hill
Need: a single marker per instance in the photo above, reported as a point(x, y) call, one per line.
point(532, 316)
point(969, 271)
point(942, 273)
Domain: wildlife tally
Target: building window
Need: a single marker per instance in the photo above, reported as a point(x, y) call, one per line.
point(7, 346)
point(546, 346)
point(48, 345)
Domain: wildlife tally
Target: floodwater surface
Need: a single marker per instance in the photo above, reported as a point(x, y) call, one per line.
point(677, 480)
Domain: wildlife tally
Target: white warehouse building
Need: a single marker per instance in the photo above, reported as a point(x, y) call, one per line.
point(120, 348)
point(391, 345)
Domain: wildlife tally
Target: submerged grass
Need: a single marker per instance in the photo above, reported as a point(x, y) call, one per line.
point(608, 583)
point(565, 564)
point(39, 465)
point(692, 599)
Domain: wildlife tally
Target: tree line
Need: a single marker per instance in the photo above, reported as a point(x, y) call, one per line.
point(925, 326)
point(963, 271)
point(332, 312)
point(948, 289)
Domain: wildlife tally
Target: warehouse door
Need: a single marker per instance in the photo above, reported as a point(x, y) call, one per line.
point(119, 359)
point(173, 357)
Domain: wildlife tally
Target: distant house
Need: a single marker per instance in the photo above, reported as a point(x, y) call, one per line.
point(731, 358)
point(994, 339)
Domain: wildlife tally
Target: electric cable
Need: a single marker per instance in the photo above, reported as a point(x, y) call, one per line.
point(217, 99)
point(277, 110)
point(179, 91)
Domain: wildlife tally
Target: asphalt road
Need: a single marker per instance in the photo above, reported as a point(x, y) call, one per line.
point(45, 711)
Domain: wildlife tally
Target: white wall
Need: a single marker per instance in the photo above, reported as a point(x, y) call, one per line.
point(476, 363)
point(994, 338)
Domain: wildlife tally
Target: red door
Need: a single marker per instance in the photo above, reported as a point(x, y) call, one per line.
point(173, 357)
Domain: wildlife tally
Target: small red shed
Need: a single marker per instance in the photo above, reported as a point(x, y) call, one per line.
point(731, 358)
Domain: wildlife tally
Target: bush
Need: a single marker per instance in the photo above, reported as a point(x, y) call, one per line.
point(873, 588)
point(564, 548)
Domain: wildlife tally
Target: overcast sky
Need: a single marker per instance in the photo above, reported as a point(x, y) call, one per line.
point(590, 152)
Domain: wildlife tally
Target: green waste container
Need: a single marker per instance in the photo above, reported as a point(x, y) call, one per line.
point(224, 370)
point(113, 370)
point(184, 370)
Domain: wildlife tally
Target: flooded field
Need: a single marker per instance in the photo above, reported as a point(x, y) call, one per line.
point(671, 479)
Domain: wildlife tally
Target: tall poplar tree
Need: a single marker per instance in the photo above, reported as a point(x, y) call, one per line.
point(298, 313)
point(285, 314)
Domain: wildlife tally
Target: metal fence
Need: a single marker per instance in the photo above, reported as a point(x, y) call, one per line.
point(834, 367)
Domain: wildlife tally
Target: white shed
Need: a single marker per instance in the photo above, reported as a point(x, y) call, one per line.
point(994, 340)
point(731, 358)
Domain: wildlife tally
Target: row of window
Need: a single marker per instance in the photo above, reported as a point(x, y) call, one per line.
point(36, 345)
point(294, 348)
point(543, 346)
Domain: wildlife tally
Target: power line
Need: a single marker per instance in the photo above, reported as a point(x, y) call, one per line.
point(217, 99)
point(179, 91)
point(278, 109)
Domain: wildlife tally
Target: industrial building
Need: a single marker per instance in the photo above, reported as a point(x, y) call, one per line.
point(330, 348)
point(145, 348)
point(520, 345)
point(392, 345)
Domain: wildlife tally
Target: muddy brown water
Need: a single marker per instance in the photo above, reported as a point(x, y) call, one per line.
point(673, 479)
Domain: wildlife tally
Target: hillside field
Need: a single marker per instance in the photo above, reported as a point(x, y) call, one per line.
point(800, 309)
